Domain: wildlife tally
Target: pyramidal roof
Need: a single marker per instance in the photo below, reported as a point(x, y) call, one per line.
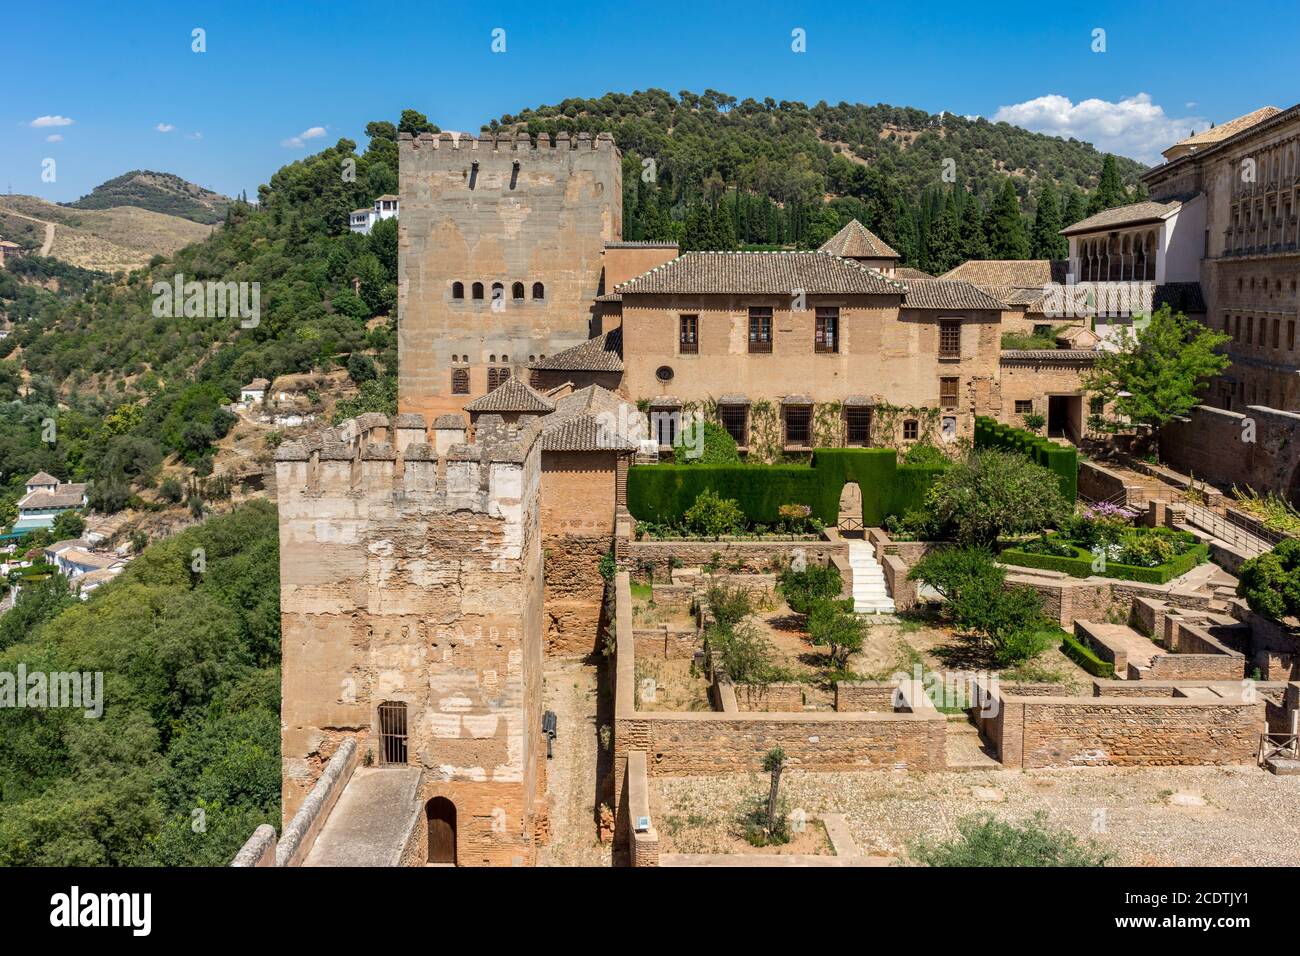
point(1216, 134)
point(856, 241)
point(512, 395)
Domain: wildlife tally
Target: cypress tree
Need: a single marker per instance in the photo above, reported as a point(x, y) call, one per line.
point(1110, 190)
point(1075, 210)
point(1046, 240)
point(945, 251)
point(1005, 226)
point(974, 244)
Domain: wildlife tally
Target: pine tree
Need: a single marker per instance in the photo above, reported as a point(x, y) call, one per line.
point(901, 232)
point(1110, 190)
point(1005, 227)
point(1046, 239)
point(724, 227)
point(974, 244)
point(945, 250)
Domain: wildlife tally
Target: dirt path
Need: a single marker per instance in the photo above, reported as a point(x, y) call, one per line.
point(49, 230)
point(571, 774)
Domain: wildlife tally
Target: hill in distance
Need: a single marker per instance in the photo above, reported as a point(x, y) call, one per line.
point(158, 192)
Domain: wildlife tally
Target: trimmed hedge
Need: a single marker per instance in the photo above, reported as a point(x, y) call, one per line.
point(1081, 566)
point(663, 492)
point(1083, 655)
point(1062, 460)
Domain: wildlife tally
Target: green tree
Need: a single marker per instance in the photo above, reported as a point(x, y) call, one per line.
point(1005, 226)
point(705, 443)
point(944, 239)
point(974, 242)
point(1075, 209)
point(1110, 191)
point(992, 493)
point(985, 841)
point(802, 590)
point(413, 122)
point(1158, 374)
point(1046, 239)
point(713, 516)
point(1270, 583)
point(833, 625)
point(67, 525)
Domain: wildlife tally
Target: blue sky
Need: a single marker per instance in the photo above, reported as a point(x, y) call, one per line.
point(273, 71)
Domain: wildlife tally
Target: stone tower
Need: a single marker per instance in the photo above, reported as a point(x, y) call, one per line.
point(500, 247)
point(410, 584)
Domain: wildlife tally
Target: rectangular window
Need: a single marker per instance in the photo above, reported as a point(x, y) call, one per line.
point(950, 338)
point(664, 421)
point(857, 425)
point(1024, 406)
point(827, 338)
point(1290, 335)
point(947, 393)
point(760, 330)
point(911, 429)
point(1097, 404)
point(798, 425)
point(1250, 330)
point(688, 330)
point(735, 419)
point(1277, 333)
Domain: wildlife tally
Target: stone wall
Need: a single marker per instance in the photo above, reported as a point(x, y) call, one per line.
point(1259, 448)
point(259, 850)
point(301, 831)
point(411, 573)
point(758, 555)
point(867, 695)
point(666, 643)
point(776, 697)
point(507, 211)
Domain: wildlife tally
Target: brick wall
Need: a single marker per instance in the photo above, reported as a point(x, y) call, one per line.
point(666, 643)
point(867, 695)
point(778, 697)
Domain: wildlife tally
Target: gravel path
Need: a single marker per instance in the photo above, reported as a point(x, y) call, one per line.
point(1178, 816)
point(570, 690)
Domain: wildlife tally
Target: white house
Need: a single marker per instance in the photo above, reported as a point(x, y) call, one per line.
point(363, 220)
point(254, 391)
point(45, 500)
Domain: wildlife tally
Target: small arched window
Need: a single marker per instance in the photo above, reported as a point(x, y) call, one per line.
point(517, 291)
point(498, 291)
point(460, 381)
point(539, 291)
point(458, 290)
point(478, 290)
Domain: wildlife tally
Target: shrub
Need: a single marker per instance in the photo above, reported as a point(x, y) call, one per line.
point(833, 625)
point(1034, 422)
point(708, 443)
point(729, 605)
point(714, 516)
point(995, 493)
point(741, 651)
point(980, 604)
point(802, 589)
point(794, 517)
point(171, 491)
point(1270, 583)
point(67, 524)
point(985, 841)
point(926, 454)
point(1084, 656)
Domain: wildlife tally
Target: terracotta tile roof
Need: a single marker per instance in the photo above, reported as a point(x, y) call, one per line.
point(592, 419)
point(42, 478)
point(1216, 134)
point(1011, 295)
point(948, 294)
point(1129, 215)
point(856, 241)
point(584, 433)
point(1072, 356)
point(760, 273)
point(1014, 273)
point(907, 272)
point(609, 297)
point(640, 244)
point(604, 353)
point(512, 395)
point(66, 496)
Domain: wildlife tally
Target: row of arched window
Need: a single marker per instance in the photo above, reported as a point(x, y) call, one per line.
point(476, 291)
point(1117, 258)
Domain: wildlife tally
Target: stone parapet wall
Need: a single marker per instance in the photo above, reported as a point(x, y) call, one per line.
point(865, 696)
point(776, 697)
point(664, 555)
point(301, 831)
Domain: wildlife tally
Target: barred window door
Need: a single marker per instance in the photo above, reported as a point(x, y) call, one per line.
point(392, 733)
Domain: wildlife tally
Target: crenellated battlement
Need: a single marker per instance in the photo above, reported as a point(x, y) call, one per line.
point(490, 142)
point(404, 463)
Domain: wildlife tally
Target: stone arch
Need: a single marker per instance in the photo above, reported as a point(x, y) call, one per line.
point(440, 815)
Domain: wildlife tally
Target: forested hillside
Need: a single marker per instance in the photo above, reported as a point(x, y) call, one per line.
point(160, 192)
point(783, 173)
point(184, 761)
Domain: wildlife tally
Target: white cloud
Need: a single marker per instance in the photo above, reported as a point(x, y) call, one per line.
point(194, 135)
point(42, 121)
point(1133, 126)
point(164, 127)
point(297, 142)
point(54, 138)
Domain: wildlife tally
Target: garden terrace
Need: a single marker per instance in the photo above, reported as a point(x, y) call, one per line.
point(1061, 460)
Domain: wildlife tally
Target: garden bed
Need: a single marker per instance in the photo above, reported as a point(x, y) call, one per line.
point(1080, 564)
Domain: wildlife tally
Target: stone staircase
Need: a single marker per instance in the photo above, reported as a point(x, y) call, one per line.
point(870, 595)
